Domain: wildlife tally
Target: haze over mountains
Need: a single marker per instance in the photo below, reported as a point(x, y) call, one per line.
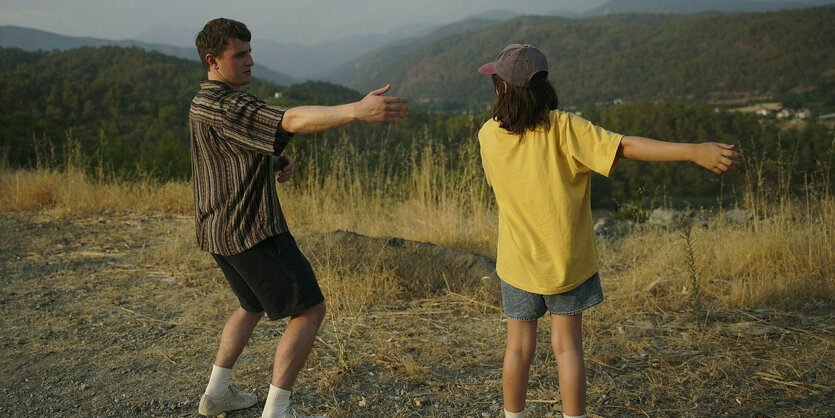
point(631, 57)
point(336, 60)
point(696, 6)
point(33, 40)
point(608, 54)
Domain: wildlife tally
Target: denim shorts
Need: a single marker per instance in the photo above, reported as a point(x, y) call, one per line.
point(527, 306)
point(273, 276)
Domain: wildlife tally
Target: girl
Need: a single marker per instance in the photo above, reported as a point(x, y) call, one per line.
point(538, 161)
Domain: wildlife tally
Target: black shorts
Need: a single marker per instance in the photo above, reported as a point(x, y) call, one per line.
point(272, 276)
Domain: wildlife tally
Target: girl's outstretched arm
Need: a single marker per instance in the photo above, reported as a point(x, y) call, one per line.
point(713, 156)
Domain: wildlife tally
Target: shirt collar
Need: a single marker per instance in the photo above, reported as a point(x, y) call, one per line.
point(214, 85)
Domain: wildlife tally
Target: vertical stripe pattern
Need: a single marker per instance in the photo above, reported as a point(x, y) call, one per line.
point(233, 136)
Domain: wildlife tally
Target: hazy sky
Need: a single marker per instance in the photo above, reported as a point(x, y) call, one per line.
point(305, 21)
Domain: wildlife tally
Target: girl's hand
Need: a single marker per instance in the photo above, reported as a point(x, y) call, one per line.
point(716, 157)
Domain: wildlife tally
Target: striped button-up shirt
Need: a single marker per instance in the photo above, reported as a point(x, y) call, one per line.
point(233, 138)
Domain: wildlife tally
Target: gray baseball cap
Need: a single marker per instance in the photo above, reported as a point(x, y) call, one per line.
point(516, 64)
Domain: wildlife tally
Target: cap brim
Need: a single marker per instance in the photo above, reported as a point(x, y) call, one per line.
point(489, 68)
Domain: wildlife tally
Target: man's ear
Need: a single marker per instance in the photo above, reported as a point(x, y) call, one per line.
point(504, 85)
point(211, 60)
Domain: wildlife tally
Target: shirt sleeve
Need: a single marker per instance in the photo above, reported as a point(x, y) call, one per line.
point(590, 147)
point(254, 124)
point(485, 161)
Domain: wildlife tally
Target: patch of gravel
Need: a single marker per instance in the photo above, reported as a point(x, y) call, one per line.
point(91, 324)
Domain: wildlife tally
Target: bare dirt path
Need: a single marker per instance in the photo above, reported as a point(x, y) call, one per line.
point(110, 316)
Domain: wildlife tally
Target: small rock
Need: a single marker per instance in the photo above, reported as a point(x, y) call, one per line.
point(665, 217)
point(612, 228)
point(738, 216)
point(362, 403)
point(606, 360)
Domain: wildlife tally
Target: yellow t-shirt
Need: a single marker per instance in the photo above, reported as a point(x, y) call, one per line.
point(542, 183)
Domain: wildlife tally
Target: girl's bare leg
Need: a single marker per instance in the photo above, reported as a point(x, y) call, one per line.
point(567, 340)
point(521, 345)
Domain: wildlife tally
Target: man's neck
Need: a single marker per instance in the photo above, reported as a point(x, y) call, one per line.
point(216, 76)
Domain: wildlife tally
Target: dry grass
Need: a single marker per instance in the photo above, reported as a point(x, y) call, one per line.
point(784, 262)
point(782, 259)
point(761, 346)
point(74, 193)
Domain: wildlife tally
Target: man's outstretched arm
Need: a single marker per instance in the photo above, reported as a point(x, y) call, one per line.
point(373, 108)
point(713, 156)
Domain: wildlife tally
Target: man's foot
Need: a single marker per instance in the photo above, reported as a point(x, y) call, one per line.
point(230, 401)
point(292, 413)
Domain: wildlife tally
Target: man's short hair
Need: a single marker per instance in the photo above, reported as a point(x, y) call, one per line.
point(216, 34)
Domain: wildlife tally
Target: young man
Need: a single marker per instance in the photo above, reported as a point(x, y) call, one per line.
point(234, 140)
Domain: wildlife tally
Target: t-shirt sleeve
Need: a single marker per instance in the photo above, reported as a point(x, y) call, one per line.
point(485, 160)
point(254, 124)
point(590, 147)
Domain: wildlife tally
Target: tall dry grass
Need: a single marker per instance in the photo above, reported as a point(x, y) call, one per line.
point(785, 260)
point(783, 257)
point(73, 193)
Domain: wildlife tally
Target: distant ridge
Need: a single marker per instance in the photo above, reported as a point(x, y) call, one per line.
point(367, 66)
point(34, 39)
point(717, 58)
point(692, 6)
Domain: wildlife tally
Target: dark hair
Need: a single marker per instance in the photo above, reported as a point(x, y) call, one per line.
point(216, 35)
point(519, 109)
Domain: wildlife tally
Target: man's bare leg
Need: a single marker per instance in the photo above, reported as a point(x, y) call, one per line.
point(235, 335)
point(290, 355)
point(220, 396)
point(295, 345)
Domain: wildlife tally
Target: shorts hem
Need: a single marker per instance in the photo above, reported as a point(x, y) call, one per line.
point(250, 310)
point(519, 319)
point(301, 308)
point(585, 307)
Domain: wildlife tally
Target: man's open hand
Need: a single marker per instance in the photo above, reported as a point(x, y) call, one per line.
point(378, 108)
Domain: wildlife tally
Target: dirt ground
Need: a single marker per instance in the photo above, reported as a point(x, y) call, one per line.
point(108, 316)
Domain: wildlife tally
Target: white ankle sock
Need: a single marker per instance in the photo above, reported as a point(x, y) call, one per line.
point(218, 382)
point(508, 414)
point(573, 416)
point(278, 401)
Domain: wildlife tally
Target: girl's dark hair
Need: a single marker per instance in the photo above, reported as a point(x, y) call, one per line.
point(216, 35)
point(519, 109)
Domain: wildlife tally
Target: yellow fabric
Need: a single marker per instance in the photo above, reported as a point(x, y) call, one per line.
point(542, 185)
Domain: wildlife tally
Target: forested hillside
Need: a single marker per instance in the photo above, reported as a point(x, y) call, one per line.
point(785, 55)
point(127, 110)
point(356, 71)
point(124, 111)
point(700, 6)
point(35, 40)
point(124, 106)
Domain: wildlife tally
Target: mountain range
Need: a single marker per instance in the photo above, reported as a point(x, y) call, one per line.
point(714, 58)
point(696, 6)
point(33, 40)
point(682, 53)
point(337, 60)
